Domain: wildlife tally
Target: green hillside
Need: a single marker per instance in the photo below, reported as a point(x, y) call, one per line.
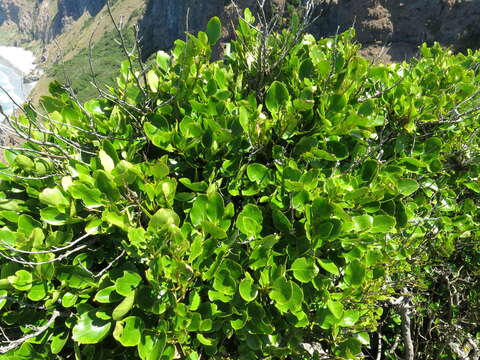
point(98, 64)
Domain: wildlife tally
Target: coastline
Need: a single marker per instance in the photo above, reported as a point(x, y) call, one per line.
point(15, 65)
point(18, 58)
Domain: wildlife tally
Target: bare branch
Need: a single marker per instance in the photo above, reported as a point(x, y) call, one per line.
point(16, 343)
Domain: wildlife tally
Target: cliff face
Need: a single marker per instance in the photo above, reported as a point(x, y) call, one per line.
point(54, 23)
point(397, 27)
point(403, 25)
point(166, 20)
point(43, 19)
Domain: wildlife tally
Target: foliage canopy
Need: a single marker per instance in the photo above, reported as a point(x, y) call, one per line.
point(233, 209)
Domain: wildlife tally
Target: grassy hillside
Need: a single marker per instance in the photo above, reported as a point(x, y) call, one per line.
point(82, 69)
point(68, 60)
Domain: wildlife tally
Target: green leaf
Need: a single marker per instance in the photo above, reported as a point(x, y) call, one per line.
point(58, 342)
point(124, 307)
point(362, 222)
point(163, 60)
point(3, 298)
point(128, 331)
point(281, 291)
point(106, 161)
point(336, 308)
point(214, 230)
point(258, 173)
point(194, 300)
point(198, 213)
point(338, 149)
point(106, 185)
point(329, 266)
point(433, 145)
point(204, 340)
point(363, 338)
point(69, 299)
point(407, 186)
point(94, 107)
point(22, 280)
point(383, 224)
point(214, 30)
point(151, 345)
point(201, 186)
point(108, 147)
point(24, 162)
point(224, 283)
point(250, 220)
point(338, 102)
point(321, 210)
point(53, 217)
point(215, 207)
point(74, 277)
point(281, 222)
point(304, 269)
point(296, 300)
point(53, 197)
point(125, 284)
point(152, 81)
point(473, 186)
point(306, 69)
point(277, 96)
point(107, 295)
point(350, 318)
point(159, 137)
point(369, 170)
point(163, 218)
point(91, 197)
point(367, 108)
point(248, 290)
point(354, 273)
point(27, 224)
point(92, 327)
point(38, 291)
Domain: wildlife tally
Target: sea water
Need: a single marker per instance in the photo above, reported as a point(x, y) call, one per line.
point(15, 63)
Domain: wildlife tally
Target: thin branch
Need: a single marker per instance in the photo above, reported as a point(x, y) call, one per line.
point(16, 343)
point(53, 250)
point(33, 263)
point(124, 46)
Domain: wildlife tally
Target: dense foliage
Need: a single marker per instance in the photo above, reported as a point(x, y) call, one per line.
point(256, 207)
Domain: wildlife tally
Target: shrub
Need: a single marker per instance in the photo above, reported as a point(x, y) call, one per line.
point(245, 208)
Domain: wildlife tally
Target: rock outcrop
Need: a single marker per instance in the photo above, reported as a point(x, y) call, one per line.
point(402, 25)
point(395, 25)
point(43, 19)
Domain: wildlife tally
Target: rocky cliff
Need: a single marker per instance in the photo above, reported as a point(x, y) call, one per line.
point(43, 19)
point(400, 25)
point(396, 27)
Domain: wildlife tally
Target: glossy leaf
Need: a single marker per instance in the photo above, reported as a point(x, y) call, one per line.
point(355, 273)
point(214, 30)
point(128, 331)
point(304, 269)
point(125, 284)
point(92, 327)
point(247, 289)
point(250, 219)
point(277, 96)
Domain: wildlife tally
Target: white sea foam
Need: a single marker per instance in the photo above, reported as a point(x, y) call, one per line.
point(15, 63)
point(21, 59)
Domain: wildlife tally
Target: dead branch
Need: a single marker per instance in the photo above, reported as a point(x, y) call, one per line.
point(16, 343)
